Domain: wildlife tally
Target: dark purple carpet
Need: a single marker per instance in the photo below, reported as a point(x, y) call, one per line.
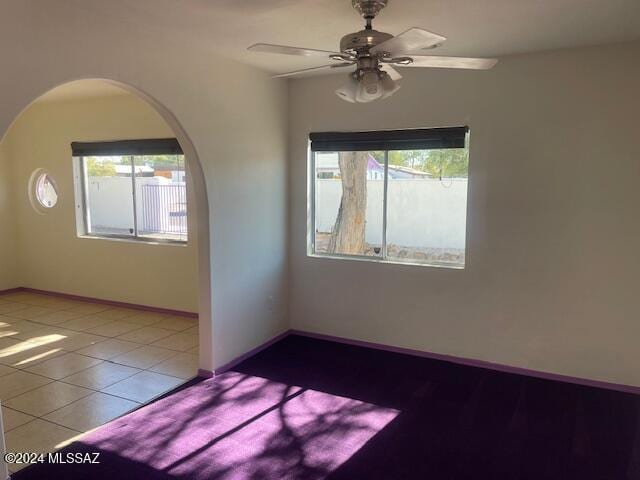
point(311, 409)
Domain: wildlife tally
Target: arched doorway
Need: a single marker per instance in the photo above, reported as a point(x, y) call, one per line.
point(198, 230)
point(200, 223)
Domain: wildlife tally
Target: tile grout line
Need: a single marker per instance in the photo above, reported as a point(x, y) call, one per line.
point(93, 391)
point(41, 417)
point(106, 320)
point(109, 360)
point(106, 338)
point(53, 380)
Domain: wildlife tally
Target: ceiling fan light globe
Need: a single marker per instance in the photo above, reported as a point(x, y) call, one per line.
point(364, 96)
point(386, 81)
point(370, 83)
point(349, 90)
point(345, 96)
point(389, 86)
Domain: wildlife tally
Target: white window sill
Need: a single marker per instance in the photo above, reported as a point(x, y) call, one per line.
point(138, 241)
point(386, 261)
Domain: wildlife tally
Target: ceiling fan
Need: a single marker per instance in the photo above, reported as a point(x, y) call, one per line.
point(375, 54)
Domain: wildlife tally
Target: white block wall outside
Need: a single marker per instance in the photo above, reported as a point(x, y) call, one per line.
point(425, 213)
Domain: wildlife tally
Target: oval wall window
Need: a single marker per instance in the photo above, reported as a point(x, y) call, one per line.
point(43, 191)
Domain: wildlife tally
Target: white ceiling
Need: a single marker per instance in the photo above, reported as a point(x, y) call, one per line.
point(473, 27)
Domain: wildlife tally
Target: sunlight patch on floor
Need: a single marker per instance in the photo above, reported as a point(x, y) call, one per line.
point(239, 422)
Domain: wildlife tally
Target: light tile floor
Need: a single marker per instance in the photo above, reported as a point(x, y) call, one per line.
point(67, 367)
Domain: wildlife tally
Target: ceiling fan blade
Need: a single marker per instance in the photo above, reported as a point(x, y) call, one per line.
point(409, 41)
point(427, 61)
point(286, 50)
point(305, 70)
point(393, 73)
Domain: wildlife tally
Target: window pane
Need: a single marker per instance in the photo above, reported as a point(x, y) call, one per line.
point(109, 195)
point(161, 195)
point(46, 192)
point(349, 189)
point(427, 205)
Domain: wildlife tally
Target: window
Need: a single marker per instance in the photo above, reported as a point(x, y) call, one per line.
point(133, 189)
point(45, 191)
point(394, 196)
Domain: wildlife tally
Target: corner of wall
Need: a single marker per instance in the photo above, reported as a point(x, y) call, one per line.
point(289, 212)
point(9, 236)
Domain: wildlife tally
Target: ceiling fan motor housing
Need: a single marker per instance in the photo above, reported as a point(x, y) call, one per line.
point(362, 41)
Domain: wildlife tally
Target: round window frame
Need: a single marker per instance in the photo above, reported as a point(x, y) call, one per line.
point(37, 205)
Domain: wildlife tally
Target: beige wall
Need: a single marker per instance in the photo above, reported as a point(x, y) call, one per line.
point(52, 257)
point(552, 232)
point(232, 116)
point(8, 225)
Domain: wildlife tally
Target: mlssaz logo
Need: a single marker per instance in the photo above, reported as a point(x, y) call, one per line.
point(69, 457)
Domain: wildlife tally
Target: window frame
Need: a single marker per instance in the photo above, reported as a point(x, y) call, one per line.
point(382, 258)
point(83, 217)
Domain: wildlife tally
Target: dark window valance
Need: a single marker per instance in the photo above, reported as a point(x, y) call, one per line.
point(153, 146)
point(416, 139)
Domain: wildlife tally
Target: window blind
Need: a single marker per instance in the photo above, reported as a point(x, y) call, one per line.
point(153, 146)
point(415, 139)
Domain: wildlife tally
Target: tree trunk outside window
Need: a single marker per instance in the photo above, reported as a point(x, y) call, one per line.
point(348, 235)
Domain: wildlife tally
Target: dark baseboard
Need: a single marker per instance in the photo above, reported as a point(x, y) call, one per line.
point(476, 363)
point(435, 356)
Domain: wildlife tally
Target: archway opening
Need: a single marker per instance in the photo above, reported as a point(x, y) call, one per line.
point(105, 254)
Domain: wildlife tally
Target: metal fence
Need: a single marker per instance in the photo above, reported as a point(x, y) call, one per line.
point(164, 209)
